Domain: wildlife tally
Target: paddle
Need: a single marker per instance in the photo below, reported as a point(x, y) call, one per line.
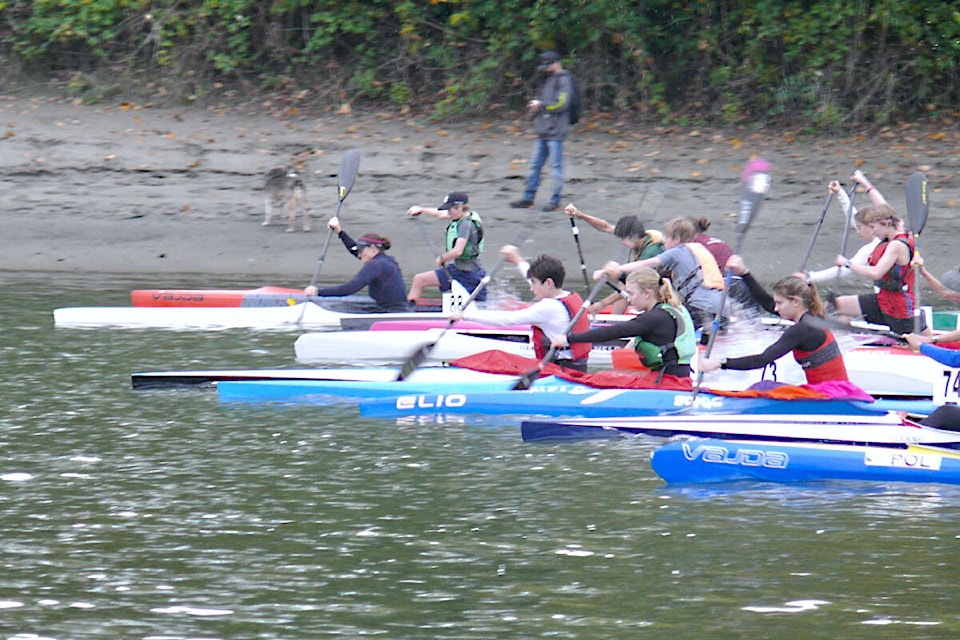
point(917, 209)
point(755, 184)
point(349, 166)
point(576, 238)
point(816, 232)
point(419, 356)
point(527, 379)
point(852, 195)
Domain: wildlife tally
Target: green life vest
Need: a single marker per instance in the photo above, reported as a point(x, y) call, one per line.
point(685, 341)
point(472, 250)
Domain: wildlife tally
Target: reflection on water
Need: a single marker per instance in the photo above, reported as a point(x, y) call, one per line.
point(164, 514)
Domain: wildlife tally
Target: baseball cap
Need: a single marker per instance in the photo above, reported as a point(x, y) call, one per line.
point(455, 197)
point(547, 58)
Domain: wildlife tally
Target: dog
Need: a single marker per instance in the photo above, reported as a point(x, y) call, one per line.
point(283, 184)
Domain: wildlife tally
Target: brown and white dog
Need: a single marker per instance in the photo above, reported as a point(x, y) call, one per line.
point(283, 185)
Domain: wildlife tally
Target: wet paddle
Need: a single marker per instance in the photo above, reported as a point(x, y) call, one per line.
point(420, 356)
point(755, 185)
point(917, 209)
point(349, 165)
point(525, 381)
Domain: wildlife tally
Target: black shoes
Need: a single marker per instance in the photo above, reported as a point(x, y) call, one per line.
point(522, 204)
point(551, 206)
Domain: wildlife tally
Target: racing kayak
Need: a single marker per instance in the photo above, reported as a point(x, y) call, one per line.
point(203, 378)
point(710, 460)
point(866, 429)
point(397, 346)
point(261, 297)
point(337, 391)
point(580, 400)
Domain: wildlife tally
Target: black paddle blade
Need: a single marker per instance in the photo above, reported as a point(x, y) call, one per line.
point(349, 166)
point(414, 361)
point(917, 205)
point(526, 380)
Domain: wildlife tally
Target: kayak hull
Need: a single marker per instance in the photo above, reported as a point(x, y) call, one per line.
point(884, 428)
point(710, 460)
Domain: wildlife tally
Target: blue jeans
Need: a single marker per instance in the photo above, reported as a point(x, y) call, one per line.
point(541, 150)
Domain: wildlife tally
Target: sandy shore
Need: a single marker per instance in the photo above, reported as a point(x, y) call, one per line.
point(144, 190)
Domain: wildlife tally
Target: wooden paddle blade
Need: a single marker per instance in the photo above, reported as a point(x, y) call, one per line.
point(917, 204)
point(414, 361)
point(349, 166)
point(525, 381)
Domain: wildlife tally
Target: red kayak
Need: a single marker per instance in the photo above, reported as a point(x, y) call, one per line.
point(262, 297)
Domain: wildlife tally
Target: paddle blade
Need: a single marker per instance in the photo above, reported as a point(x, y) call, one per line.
point(414, 361)
point(917, 204)
point(349, 165)
point(756, 184)
point(525, 381)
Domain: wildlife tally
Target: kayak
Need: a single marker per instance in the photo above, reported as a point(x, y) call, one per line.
point(397, 346)
point(884, 428)
point(710, 460)
point(339, 391)
point(261, 297)
point(301, 316)
point(203, 378)
point(591, 402)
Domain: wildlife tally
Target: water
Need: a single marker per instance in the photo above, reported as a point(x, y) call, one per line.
point(166, 515)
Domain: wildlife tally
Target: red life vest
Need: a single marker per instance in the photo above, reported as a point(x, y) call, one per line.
point(580, 350)
point(895, 295)
point(823, 363)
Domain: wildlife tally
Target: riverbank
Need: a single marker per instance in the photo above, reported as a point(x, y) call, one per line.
point(137, 189)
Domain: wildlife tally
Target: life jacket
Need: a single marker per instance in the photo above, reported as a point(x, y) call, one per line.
point(706, 274)
point(652, 356)
point(578, 350)
point(895, 288)
point(823, 363)
point(651, 244)
point(471, 250)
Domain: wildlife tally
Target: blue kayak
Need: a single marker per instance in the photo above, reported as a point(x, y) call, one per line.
point(329, 391)
point(711, 460)
point(552, 399)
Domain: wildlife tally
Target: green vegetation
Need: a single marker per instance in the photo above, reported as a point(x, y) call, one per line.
point(818, 64)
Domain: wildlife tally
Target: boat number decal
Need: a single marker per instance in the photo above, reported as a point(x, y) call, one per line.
point(901, 459)
point(431, 401)
point(703, 402)
point(739, 456)
point(183, 297)
point(950, 391)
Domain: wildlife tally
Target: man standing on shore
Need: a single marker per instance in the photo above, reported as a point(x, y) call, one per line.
point(551, 126)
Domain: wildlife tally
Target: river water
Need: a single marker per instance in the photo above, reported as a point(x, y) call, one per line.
point(166, 515)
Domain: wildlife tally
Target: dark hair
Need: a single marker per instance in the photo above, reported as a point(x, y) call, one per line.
point(376, 239)
point(628, 226)
point(547, 267)
point(700, 225)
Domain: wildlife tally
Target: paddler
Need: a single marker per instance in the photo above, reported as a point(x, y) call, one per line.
point(665, 339)
point(693, 269)
point(643, 243)
point(814, 347)
point(463, 245)
point(889, 266)
point(380, 272)
point(549, 315)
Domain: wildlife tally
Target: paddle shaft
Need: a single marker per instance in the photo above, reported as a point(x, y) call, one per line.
point(576, 238)
point(852, 195)
point(816, 232)
point(918, 207)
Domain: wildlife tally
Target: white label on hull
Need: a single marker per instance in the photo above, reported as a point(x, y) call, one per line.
point(948, 391)
point(901, 459)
